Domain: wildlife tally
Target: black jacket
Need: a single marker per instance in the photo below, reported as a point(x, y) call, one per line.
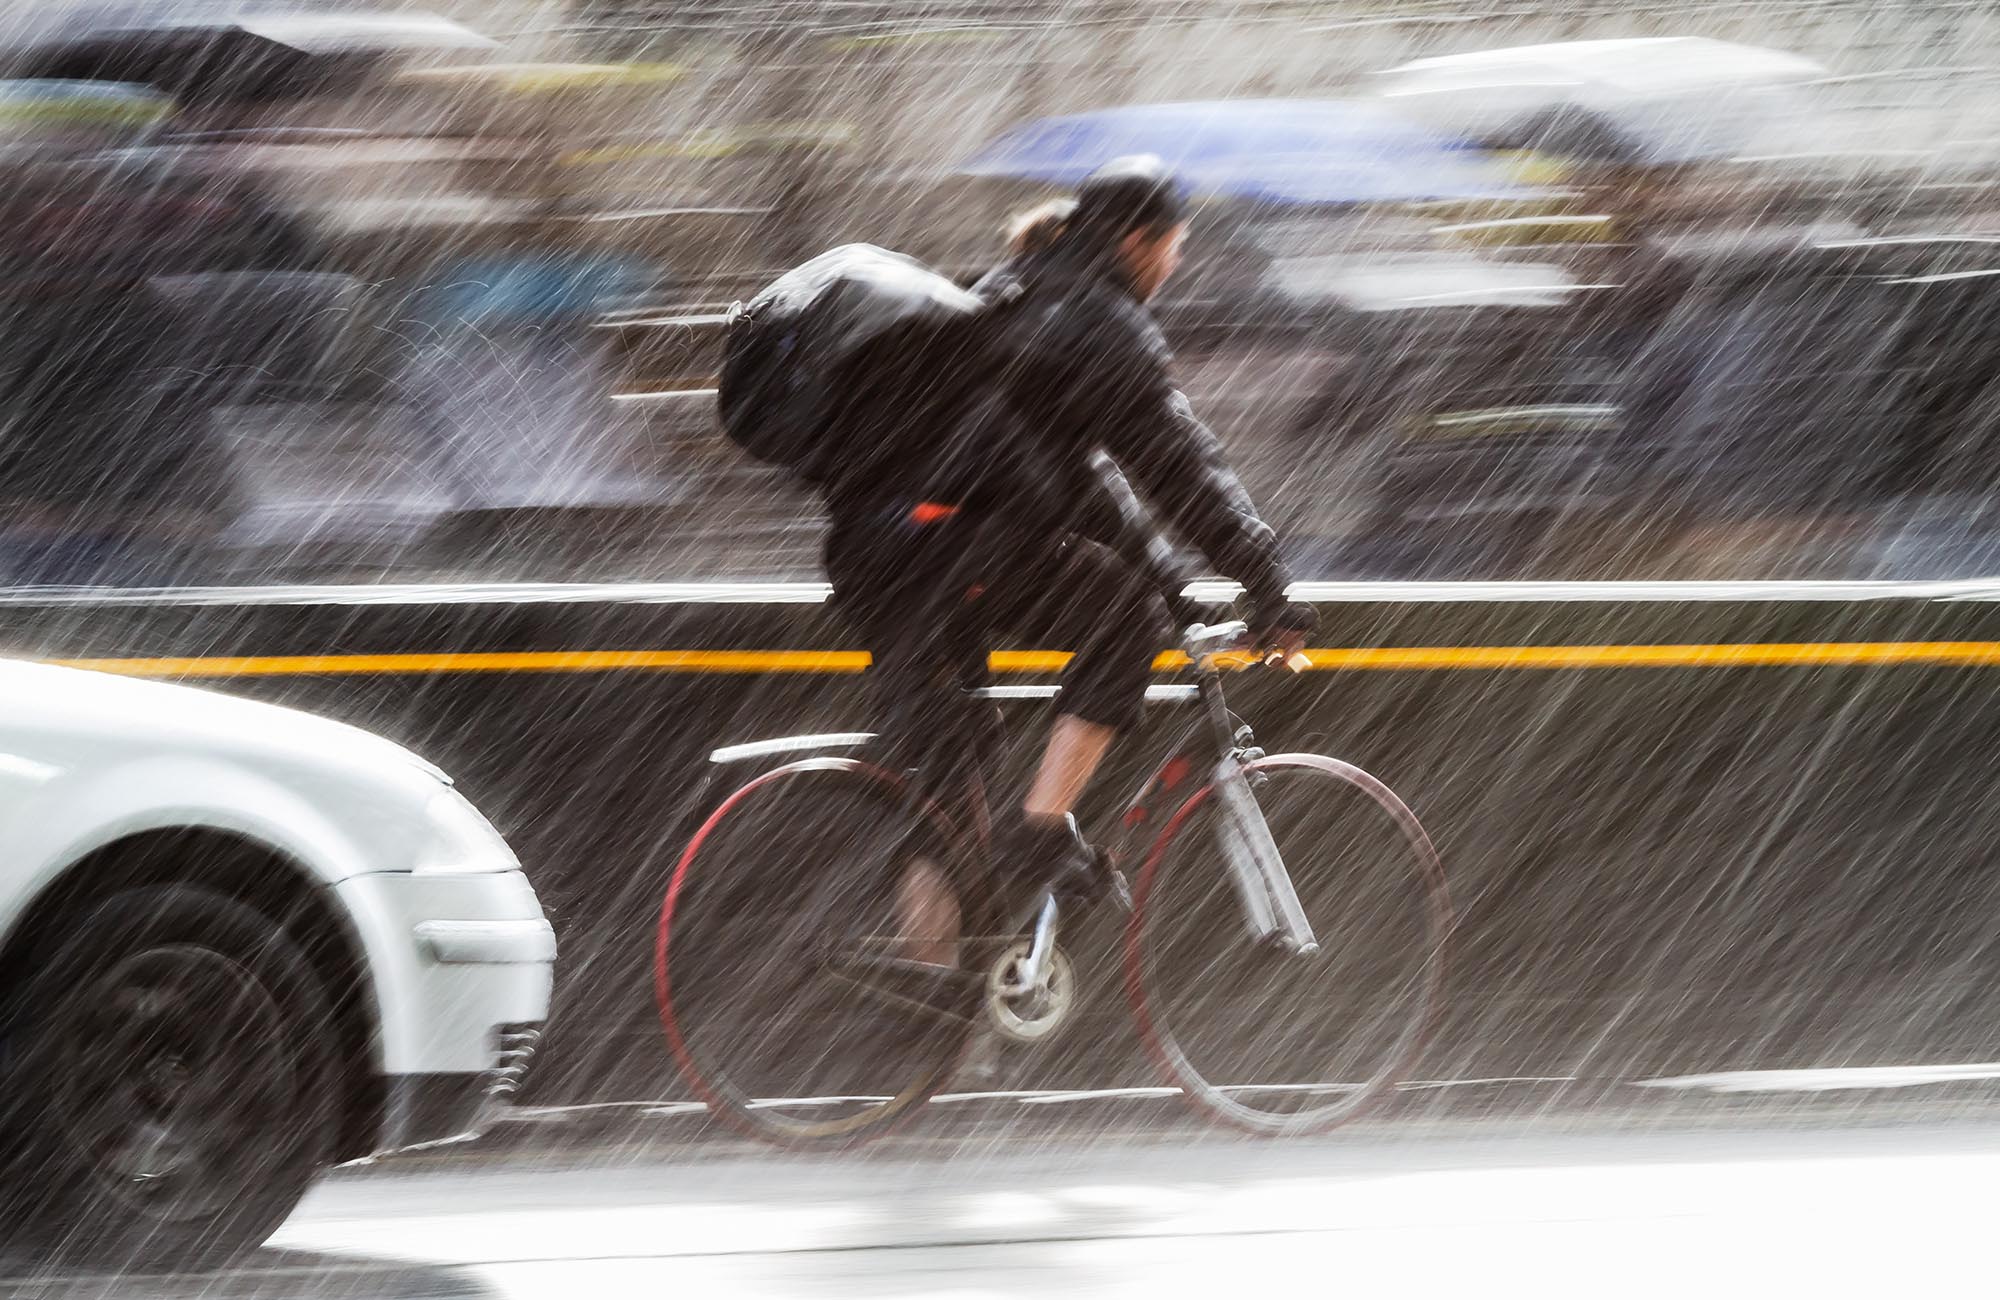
point(1079, 372)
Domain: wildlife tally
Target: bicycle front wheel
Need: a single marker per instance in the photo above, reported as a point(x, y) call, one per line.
point(1269, 1040)
point(786, 968)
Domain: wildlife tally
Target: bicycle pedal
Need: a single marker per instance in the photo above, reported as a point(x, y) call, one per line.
point(1108, 883)
point(1118, 890)
point(982, 1060)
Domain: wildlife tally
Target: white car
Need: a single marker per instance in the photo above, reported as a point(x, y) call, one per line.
point(238, 944)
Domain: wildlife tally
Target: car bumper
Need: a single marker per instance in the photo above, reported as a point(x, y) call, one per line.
point(419, 1109)
point(461, 970)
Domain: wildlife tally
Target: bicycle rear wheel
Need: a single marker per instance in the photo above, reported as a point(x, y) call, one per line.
point(780, 966)
point(1271, 1041)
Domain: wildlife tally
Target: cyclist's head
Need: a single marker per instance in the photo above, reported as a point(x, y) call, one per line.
point(1131, 209)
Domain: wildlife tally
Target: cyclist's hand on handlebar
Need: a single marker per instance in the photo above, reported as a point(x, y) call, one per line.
point(1280, 635)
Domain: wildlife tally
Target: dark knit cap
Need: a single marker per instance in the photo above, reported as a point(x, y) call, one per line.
point(1125, 195)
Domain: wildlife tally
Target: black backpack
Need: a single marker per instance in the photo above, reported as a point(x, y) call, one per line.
point(797, 354)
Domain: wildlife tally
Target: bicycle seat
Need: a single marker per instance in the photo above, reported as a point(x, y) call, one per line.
point(940, 731)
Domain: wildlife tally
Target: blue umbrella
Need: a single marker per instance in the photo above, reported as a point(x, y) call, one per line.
point(1270, 150)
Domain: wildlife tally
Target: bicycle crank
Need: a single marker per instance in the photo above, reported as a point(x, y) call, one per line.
point(1034, 1014)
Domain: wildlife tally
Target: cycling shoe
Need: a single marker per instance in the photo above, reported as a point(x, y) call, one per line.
point(1031, 855)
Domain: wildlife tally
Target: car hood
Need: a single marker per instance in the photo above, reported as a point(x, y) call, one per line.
point(136, 715)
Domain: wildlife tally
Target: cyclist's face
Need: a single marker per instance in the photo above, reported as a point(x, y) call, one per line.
point(1153, 258)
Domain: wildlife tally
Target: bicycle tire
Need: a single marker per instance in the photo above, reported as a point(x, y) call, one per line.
point(1242, 1070)
point(741, 879)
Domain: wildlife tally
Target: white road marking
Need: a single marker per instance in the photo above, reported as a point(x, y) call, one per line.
point(667, 395)
point(1096, 1094)
point(1022, 1096)
point(1878, 1076)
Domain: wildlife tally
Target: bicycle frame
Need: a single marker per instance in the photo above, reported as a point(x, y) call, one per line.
point(1215, 742)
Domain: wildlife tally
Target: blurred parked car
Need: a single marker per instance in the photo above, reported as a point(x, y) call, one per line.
point(1463, 410)
point(238, 944)
point(1714, 408)
point(1806, 397)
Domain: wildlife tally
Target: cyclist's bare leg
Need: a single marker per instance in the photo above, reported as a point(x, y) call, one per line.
point(926, 906)
point(927, 914)
point(1074, 751)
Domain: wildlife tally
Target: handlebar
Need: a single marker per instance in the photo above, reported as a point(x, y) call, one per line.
point(1200, 640)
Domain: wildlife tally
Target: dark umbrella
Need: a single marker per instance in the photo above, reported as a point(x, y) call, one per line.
point(1573, 132)
point(213, 50)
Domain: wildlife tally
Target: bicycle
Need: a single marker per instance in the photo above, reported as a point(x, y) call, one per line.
point(793, 1006)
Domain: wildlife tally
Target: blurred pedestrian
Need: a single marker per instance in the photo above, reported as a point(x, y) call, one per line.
point(108, 472)
point(1036, 230)
point(512, 388)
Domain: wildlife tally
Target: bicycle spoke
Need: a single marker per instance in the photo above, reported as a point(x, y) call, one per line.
point(1269, 1038)
point(784, 991)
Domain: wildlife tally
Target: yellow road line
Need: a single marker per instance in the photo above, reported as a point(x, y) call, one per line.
point(1756, 654)
point(1332, 659)
point(533, 661)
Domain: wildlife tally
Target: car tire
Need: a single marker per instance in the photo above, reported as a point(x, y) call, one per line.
point(169, 1057)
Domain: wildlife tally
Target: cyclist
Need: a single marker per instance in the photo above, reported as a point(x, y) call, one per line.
point(1005, 519)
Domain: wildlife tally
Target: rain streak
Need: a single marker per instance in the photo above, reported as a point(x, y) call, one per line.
point(1115, 647)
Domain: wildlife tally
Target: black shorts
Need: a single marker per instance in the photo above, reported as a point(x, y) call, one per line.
point(929, 601)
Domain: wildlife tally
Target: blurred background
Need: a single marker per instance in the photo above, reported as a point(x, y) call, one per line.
point(329, 333)
point(333, 294)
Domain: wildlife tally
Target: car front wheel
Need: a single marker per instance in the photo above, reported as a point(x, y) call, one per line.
point(171, 1047)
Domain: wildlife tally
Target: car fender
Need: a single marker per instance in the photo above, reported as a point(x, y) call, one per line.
point(71, 815)
point(75, 814)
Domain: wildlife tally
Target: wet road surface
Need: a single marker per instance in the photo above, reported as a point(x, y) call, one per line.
point(1889, 1210)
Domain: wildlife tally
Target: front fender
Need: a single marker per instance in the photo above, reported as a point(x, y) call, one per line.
point(786, 748)
point(731, 766)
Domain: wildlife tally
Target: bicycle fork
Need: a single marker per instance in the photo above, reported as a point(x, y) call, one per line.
point(1271, 908)
point(1032, 974)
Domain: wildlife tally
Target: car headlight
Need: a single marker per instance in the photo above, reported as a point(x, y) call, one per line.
point(457, 839)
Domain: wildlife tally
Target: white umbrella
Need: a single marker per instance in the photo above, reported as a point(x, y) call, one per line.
point(1652, 100)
